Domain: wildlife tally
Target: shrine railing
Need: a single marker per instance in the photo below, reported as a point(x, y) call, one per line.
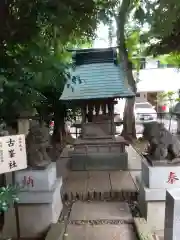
point(169, 120)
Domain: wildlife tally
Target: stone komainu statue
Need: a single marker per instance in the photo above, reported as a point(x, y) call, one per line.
point(162, 144)
point(37, 144)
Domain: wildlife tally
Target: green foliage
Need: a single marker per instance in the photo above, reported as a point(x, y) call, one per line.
point(173, 59)
point(166, 96)
point(8, 196)
point(164, 27)
point(21, 22)
point(134, 48)
point(165, 16)
point(33, 42)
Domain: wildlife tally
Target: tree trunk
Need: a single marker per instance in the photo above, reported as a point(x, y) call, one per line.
point(129, 130)
point(57, 139)
point(60, 134)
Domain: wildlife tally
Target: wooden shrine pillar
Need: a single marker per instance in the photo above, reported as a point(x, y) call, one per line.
point(83, 113)
point(111, 114)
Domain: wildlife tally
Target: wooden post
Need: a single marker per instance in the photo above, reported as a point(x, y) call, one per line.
point(83, 113)
point(16, 210)
point(112, 117)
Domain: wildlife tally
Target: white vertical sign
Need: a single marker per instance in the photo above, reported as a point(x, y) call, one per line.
point(12, 153)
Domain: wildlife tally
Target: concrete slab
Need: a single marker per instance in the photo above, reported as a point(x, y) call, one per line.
point(100, 211)
point(98, 181)
point(76, 182)
point(134, 159)
point(122, 181)
point(100, 232)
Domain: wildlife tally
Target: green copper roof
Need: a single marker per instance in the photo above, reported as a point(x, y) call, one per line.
point(99, 79)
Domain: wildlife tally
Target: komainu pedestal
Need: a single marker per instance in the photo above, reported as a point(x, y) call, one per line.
point(40, 202)
point(160, 171)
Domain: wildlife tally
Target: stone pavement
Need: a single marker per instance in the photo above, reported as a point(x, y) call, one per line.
point(101, 211)
point(134, 164)
point(100, 232)
point(134, 159)
point(82, 183)
point(100, 221)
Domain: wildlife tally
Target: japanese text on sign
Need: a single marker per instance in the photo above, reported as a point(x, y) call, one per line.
point(28, 181)
point(12, 153)
point(172, 178)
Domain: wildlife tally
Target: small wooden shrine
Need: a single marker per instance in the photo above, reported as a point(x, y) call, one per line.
point(97, 81)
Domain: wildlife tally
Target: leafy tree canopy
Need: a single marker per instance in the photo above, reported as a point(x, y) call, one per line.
point(20, 22)
point(33, 42)
point(164, 28)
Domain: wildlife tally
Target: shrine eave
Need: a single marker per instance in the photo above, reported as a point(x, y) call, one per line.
point(80, 98)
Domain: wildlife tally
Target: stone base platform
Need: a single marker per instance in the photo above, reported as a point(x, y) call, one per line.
point(99, 154)
point(40, 203)
point(35, 219)
point(101, 161)
point(155, 180)
point(159, 176)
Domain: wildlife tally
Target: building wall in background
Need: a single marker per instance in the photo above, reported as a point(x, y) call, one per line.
point(141, 97)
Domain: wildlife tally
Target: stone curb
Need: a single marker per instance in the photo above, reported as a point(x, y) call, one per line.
point(143, 231)
point(101, 196)
point(56, 232)
point(138, 152)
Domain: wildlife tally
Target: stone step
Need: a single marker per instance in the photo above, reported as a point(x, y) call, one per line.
point(99, 185)
point(101, 196)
